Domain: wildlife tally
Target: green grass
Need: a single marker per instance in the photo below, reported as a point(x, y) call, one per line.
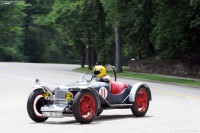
point(150, 77)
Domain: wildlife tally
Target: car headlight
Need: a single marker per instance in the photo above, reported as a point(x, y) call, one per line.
point(68, 96)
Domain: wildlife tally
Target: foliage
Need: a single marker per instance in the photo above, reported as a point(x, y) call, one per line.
point(176, 30)
point(11, 31)
point(79, 22)
point(82, 31)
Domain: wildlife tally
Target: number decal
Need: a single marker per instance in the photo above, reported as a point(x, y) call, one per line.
point(103, 92)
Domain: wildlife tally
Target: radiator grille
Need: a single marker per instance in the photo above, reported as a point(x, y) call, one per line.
point(60, 96)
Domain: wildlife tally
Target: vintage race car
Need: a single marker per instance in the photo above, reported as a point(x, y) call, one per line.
point(87, 98)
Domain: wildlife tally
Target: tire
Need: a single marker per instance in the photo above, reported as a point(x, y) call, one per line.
point(99, 112)
point(141, 103)
point(85, 106)
point(35, 102)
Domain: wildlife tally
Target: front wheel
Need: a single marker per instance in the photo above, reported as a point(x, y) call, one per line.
point(35, 102)
point(141, 103)
point(84, 106)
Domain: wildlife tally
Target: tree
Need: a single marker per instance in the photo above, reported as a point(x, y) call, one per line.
point(175, 35)
point(193, 31)
point(138, 18)
point(11, 35)
point(78, 21)
point(65, 15)
point(36, 36)
point(114, 16)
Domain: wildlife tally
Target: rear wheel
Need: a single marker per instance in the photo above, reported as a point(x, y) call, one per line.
point(141, 104)
point(84, 106)
point(35, 102)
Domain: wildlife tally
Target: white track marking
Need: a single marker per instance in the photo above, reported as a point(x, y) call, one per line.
point(13, 104)
point(25, 79)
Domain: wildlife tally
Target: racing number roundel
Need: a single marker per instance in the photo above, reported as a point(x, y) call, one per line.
point(103, 92)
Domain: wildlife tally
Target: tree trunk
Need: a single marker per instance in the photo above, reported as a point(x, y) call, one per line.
point(26, 34)
point(82, 55)
point(94, 55)
point(118, 50)
point(102, 19)
point(89, 52)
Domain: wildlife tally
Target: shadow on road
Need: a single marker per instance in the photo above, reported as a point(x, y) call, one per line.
point(61, 122)
point(97, 119)
point(112, 117)
point(117, 117)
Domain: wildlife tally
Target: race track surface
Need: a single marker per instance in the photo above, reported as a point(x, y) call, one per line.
point(174, 109)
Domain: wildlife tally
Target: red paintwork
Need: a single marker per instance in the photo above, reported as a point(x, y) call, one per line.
point(141, 101)
point(118, 87)
point(87, 106)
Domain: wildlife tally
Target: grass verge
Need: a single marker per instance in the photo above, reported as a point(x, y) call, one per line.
point(150, 77)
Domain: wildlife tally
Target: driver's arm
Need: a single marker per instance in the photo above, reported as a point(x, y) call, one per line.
point(105, 78)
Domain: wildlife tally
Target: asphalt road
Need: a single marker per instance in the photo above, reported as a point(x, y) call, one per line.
point(174, 109)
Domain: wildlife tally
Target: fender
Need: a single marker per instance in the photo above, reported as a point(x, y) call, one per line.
point(134, 90)
point(44, 88)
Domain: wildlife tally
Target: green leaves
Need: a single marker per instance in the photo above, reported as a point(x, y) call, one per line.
point(61, 30)
point(174, 30)
point(11, 31)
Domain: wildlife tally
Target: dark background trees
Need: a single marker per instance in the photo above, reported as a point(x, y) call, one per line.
point(100, 31)
point(11, 31)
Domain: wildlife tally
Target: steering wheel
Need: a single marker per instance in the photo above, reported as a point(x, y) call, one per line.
point(87, 79)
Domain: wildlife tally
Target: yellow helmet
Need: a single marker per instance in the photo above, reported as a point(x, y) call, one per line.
point(99, 71)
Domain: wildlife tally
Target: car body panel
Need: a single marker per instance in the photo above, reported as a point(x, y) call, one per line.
point(60, 103)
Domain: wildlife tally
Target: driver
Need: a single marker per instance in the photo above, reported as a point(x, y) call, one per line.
point(100, 72)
